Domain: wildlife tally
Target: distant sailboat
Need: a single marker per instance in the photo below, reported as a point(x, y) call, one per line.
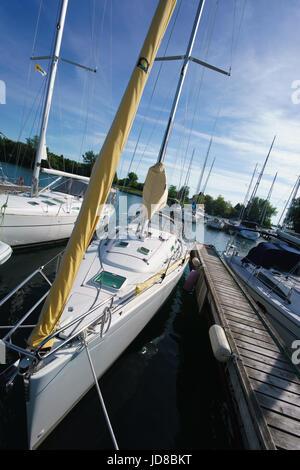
point(47, 215)
point(215, 223)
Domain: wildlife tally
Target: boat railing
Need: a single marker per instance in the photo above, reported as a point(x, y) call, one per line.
point(7, 339)
point(103, 317)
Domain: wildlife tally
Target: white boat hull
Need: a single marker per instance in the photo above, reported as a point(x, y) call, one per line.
point(20, 230)
point(26, 225)
point(5, 252)
point(53, 395)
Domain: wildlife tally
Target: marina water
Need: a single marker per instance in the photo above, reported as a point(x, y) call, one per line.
point(165, 392)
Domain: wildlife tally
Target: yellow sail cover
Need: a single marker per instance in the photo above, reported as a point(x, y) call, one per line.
point(163, 272)
point(101, 179)
point(155, 191)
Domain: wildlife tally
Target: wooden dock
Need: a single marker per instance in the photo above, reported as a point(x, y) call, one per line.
point(263, 381)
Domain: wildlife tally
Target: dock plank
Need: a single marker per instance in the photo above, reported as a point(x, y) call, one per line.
point(284, 440)
point(275, 392)
point(292, 426)
point(262, 351)
point(279, 406)
point(250, 334)
point(257, 342)
point(252, 329)
point(245, 321)
point(273, 380)
point(265, 360)
point(271, 370)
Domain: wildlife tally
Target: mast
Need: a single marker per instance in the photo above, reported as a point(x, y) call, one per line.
point(266, 203)
point(42, 139)
point(246, 197)
point(295, 190)
point(165, 141)
point(287, 202)
point(205, 184)
point(187, 177)
point(203, 167)
point(259, 178)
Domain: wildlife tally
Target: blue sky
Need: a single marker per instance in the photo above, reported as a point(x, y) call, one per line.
point(258, 38)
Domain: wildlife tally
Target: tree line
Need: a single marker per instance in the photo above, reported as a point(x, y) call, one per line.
point(23, 154)
point(260, 211)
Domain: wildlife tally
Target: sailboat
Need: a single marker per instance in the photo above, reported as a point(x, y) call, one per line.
point(215, 223)
point(106, 290)
point(47, 215)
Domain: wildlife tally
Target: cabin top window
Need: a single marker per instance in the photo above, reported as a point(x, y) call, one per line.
point(108, 279)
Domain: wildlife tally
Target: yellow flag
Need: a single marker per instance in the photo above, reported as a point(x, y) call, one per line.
point(42, 71)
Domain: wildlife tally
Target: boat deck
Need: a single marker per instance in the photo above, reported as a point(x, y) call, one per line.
point(263, 380)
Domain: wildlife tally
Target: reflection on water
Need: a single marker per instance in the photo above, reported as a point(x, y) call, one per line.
point(164, 392)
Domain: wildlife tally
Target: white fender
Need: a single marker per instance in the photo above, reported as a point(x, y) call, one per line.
point(219, 343)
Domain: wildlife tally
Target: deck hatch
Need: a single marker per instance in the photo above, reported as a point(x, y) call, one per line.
point(108, 279)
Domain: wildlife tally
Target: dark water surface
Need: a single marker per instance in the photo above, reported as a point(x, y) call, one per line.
point(164, 393)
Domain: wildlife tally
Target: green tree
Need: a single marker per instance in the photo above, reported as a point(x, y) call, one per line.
point(172, 192)
point(33, 142)
point(132, 179)
point(209, 204)
point(256, 210)
point(220, 206)
point(89, 158)
point(293, 217)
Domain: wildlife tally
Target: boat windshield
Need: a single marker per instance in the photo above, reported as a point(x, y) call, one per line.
point(71, 186)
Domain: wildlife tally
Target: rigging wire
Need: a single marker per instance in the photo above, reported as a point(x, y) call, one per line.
point(152, 94)
point(232, 51)
point(22, 125)
point(209, 38)
point(90, 90)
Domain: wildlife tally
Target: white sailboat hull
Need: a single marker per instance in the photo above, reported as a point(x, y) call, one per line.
point(48, 218)
point(53, 395)
point(20, 230)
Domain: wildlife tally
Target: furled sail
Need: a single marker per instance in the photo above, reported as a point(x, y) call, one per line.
point(101, 179)
point(155, 191)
